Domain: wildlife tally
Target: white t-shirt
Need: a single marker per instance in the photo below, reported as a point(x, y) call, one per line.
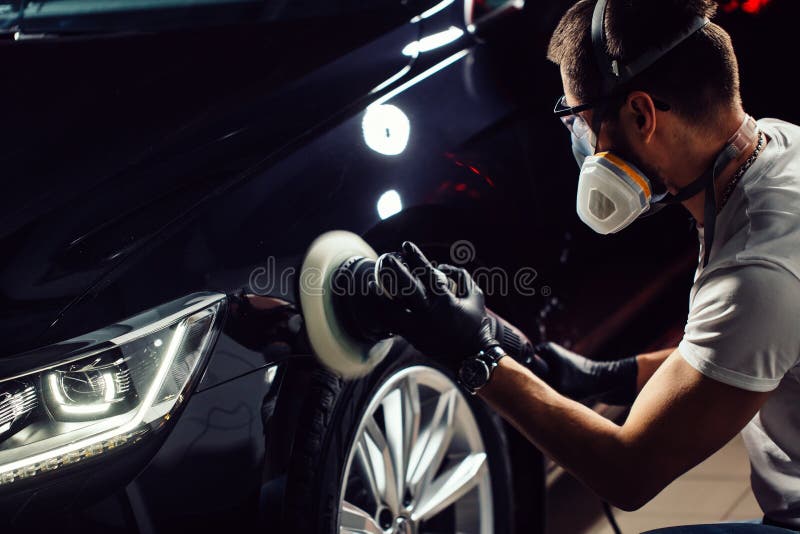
point(743, 327)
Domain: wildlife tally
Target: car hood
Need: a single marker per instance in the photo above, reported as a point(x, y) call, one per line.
point(98, 164)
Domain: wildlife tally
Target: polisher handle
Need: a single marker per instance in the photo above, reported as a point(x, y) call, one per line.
point(517, 345)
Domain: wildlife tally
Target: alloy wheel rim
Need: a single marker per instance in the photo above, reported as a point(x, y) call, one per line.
point(417, 462)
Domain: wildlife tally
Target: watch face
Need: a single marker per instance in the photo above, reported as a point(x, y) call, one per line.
point(474, 373)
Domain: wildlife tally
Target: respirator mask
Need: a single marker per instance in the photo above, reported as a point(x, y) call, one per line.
point(612, 191)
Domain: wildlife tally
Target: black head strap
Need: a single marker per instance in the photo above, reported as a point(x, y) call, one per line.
point(694, 188)
point(709, 220)
point(615, 72)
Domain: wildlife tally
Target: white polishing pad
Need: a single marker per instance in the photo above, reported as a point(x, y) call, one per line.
point(336, 349)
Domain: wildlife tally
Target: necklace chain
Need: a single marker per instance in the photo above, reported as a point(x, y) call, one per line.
point(740, 172)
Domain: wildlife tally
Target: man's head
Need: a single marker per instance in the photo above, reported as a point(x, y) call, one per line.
point(698, 79)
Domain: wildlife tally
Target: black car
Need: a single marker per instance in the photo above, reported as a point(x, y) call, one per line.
point(166, 164)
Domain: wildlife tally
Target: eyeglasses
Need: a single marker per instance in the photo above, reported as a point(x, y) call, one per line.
point(576, 124)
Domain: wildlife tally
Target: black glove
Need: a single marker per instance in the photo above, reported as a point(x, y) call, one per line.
point(439, 311)
point(582, 379)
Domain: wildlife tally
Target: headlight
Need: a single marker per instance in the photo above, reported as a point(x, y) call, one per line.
point(110, 394)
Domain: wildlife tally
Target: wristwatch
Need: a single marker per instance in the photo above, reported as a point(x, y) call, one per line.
point(476, 371)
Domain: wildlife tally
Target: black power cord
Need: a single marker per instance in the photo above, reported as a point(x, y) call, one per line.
point(611, 519)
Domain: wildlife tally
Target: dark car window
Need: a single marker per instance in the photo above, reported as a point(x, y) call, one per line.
point(112, 16)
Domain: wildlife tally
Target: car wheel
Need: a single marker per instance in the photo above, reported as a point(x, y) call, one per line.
point(403, 450)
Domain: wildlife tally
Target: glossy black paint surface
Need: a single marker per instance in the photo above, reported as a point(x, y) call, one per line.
point(141, 168)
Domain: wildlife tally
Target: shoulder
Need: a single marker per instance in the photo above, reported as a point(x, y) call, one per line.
point(752, 284)
point(783, 146)
point(765, 226)
point(786, 133)
point(742, 327)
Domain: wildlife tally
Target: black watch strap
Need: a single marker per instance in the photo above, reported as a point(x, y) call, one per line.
point(495, 353)
point(476, 371)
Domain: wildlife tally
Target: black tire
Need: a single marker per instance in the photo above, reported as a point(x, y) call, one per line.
point(327, 424)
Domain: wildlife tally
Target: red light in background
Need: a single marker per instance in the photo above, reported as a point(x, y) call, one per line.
point(748, 6)
point(753, 6)
point(729, 7)
point(472, 168)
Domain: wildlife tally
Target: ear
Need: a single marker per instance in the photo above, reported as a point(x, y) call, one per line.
point(641, 114)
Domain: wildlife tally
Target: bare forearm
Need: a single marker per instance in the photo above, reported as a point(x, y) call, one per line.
point(648, 363)
point(583, 442)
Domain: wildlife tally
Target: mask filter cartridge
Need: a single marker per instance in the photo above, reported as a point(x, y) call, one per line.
point(612, 193)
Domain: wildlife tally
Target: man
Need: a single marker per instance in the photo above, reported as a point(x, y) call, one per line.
point(652, 102)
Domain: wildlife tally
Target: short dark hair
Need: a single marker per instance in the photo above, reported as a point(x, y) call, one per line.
point(696, 78)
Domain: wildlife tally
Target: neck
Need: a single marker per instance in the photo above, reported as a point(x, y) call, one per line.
point(707, 155)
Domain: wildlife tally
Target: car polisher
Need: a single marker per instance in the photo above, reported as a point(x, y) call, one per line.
point(341, 316)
